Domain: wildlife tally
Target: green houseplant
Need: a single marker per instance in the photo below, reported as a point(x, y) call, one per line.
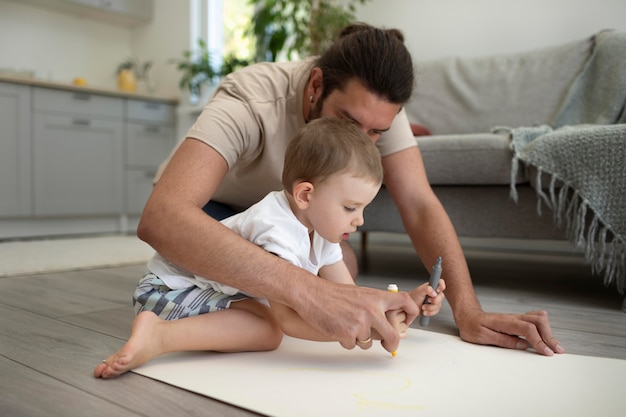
point(198, 70)
point(298, 27)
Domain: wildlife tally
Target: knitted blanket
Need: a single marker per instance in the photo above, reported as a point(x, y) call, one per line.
point(598, 94)
point(584, 155)
point(586, 165)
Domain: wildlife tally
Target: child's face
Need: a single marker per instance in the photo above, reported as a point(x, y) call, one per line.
point(336, 205)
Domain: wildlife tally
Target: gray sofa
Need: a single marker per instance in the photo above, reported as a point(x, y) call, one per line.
point(468, 162)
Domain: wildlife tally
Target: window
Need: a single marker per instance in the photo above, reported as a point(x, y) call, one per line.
point(222, 25)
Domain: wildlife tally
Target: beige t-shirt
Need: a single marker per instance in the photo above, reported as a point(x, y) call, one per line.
point(250, 119)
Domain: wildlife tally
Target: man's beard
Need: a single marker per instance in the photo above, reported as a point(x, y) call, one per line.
point(315, 112)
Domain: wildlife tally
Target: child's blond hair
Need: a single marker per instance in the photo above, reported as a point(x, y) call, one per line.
point(327, 146)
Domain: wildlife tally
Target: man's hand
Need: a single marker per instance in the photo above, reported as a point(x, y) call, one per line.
point(512, 331)
point(349, 313)
point(397, 318)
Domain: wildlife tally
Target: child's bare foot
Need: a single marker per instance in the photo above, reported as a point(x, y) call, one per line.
point(143, 345)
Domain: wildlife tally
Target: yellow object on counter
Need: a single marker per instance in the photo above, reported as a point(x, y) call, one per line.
point(80, 81)
point(126, 81)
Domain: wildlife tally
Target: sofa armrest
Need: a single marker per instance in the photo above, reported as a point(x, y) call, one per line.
point(472, 159)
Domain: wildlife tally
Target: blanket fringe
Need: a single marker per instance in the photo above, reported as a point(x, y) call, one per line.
point(514, 169)
point(570, 212)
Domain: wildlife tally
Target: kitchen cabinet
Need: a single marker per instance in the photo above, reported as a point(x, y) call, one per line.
point(77, 153)
point(15, 150)
point(78, 160)
point(149, 140)
point(127, 13)
point(137, 10)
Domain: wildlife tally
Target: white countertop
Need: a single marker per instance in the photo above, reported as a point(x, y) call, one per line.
point(87, 89)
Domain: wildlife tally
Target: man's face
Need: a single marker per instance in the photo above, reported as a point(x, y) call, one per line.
point(355, 103)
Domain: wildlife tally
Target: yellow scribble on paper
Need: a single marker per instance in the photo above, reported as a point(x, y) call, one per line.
point(376, 398)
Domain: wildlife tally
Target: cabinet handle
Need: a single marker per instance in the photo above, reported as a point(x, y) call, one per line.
point(82, 96)
point(81, 122)
point(152, 129)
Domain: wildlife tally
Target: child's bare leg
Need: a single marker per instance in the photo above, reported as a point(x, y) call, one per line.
point(246, 326)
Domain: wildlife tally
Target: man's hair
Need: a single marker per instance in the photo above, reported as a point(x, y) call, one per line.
point(376, 57)
point(328, 146)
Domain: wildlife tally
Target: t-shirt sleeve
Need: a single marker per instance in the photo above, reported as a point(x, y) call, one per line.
point(228, 125)
point(265, 231)
point(398, 138)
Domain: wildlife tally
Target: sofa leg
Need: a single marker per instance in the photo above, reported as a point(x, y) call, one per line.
point(364, 260)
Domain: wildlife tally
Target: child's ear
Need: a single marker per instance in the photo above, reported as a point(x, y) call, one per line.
point(302, 194)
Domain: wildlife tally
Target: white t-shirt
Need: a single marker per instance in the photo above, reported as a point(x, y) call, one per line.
point(271, 225)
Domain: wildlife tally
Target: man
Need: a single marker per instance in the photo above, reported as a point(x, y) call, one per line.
point(233, 156)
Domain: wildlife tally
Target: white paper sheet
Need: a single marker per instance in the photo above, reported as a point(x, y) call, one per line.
point(432, 375)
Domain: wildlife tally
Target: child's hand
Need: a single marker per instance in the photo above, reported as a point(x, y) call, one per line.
point(435, 298)
point(397, 318)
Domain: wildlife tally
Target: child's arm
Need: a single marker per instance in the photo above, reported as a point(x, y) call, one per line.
point(435, 298)
point(337, 272)
point(292, 324)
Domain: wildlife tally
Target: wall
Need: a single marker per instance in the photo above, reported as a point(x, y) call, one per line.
point(483, 27)
point(163, 40)
point(59, 47)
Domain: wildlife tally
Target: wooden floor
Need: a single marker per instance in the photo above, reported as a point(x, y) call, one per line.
point(55, 328)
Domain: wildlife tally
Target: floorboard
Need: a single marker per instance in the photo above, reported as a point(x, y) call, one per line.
point(66, 293)
point(48, 396)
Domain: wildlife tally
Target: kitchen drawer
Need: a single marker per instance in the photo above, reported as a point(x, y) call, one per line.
point(78, 103)
point(151, 111)
point(78, 166)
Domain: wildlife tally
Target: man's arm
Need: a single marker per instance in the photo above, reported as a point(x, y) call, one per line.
point(433, 235)
point(293, 325)
point(174, 224)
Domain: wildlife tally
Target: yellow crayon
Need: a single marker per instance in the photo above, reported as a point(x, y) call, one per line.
point(393, 288)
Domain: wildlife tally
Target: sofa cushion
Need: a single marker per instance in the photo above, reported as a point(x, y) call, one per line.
point(475, 159)
point(485, 212)
point(472, 95)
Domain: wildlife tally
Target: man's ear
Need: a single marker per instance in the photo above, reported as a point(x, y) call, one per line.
point(302, 194)
point(316, 83)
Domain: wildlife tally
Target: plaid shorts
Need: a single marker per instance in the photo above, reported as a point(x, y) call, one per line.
point(152, 294)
